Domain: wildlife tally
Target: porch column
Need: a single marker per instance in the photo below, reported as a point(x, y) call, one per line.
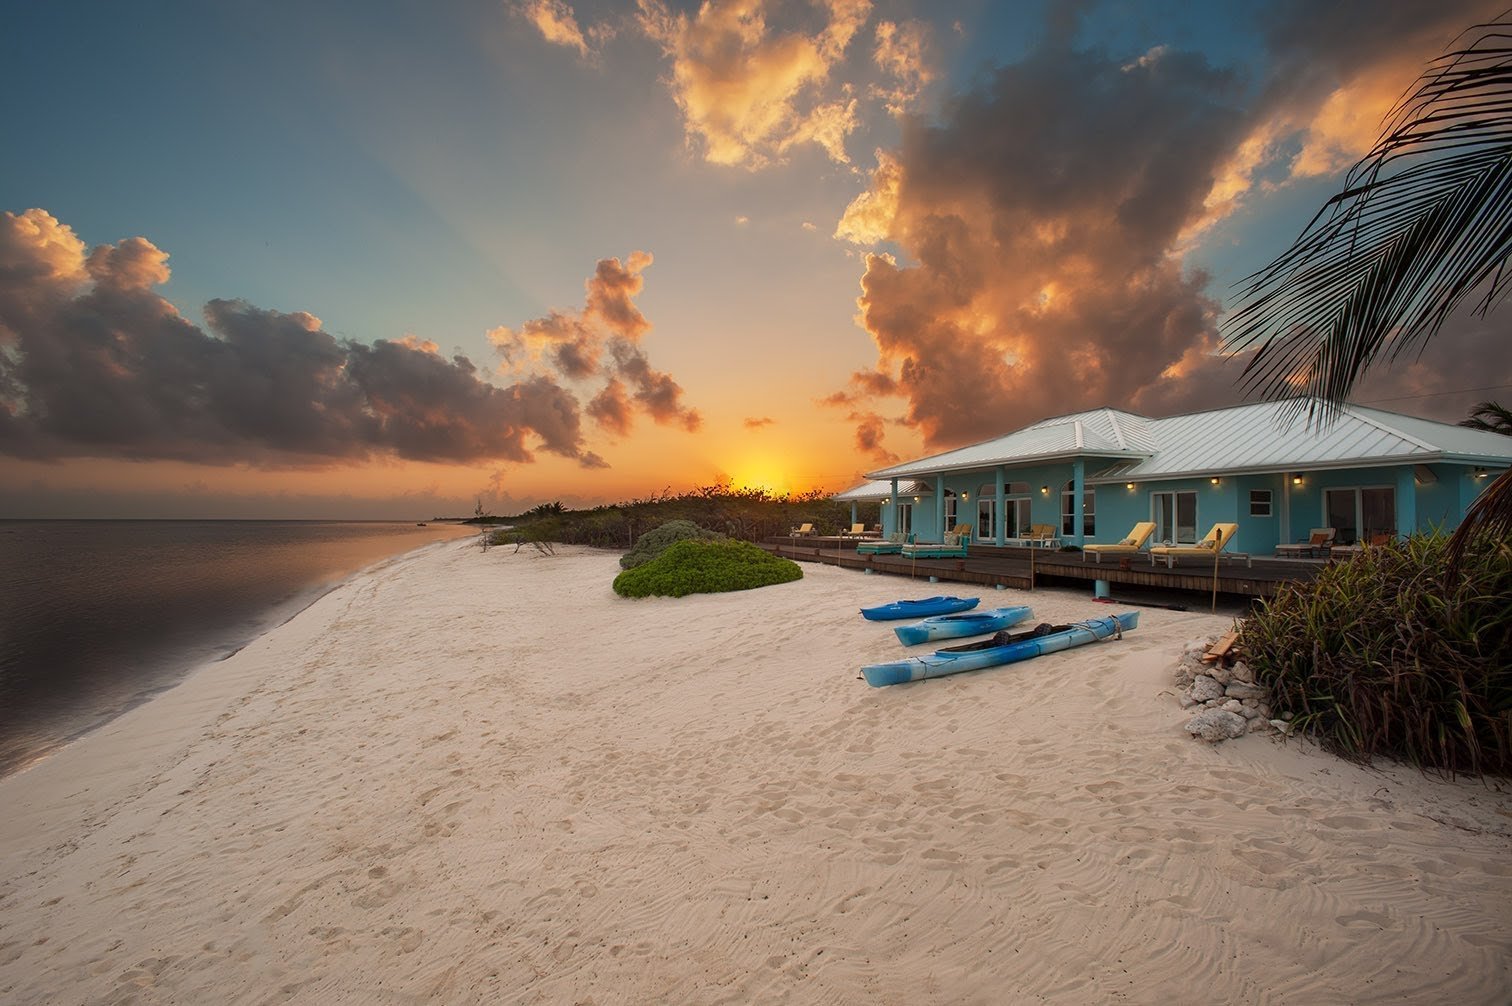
point(853, 511)
point(1001, 520)
point(1406, 501)
point(896, 523)
point(1078, 488)
point(1285, 523)
point(940, 505)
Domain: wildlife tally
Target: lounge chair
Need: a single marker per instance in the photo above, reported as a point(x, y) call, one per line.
point(1039, 536)
point(1131, 545)
point(1320, 539)
point(1372, 539)
point(953, 547)
point(892, 546)
point(856, 531)
point(1216, 541)
point(801, 531)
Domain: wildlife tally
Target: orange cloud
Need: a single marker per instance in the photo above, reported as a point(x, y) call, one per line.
point(558, 25)
point(749, 93)
point(602, 341)
point(900, 54)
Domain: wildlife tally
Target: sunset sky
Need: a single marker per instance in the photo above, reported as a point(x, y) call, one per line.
point(384, 259)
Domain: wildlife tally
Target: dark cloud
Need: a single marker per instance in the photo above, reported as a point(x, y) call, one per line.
point(1043, 219)
point(94, 363)
point(758, 422)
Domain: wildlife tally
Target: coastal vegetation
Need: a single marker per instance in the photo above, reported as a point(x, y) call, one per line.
point(744, 514)
point(656, 541)
point(695, 566)
point(1385, 655)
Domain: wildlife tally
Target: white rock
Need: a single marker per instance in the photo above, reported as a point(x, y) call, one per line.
point(1249, 712)
point(1283, 726)
point(1220, 674)
point(1258, 724)
point(1186, 701)
point(1205, 688)
point(1234, 706)
point(1240, 690)
point(1217, 725)
point(1241, 672)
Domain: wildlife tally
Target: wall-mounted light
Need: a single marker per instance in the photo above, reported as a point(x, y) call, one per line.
point(1044, 490)
point(1480, 473)
point(1129, 486)
point(887, 502)
point(916, 499)
point(1296, 480)
point(965, 497)
point(1215, 481)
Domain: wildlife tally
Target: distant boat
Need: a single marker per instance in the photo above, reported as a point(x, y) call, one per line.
point(966, 623)
point(992, 652)
point(420, 523)
point(920, 608)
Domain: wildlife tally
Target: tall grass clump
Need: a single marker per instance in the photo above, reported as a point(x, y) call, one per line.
point(1385, 655)
point(706, 567)
point(656, 541)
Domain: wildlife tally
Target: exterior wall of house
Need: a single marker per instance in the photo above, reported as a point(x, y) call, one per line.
point(1295, 506)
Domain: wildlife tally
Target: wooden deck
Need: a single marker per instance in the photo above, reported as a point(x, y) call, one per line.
point(990, 565)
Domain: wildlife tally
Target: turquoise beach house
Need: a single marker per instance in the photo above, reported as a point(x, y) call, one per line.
point(1092, 476)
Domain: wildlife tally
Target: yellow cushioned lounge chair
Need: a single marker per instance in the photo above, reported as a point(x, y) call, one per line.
point(856, 531)
point(1129, 546)
point(1216, 541)
point(1042, 535)
point(801, 530)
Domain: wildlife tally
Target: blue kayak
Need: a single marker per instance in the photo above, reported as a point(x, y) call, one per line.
point(967, 623)
point(919, 609)
point(992, 652)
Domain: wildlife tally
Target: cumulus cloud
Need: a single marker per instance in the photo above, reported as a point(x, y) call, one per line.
point(94, 363)
point(758, 422)
point(1040, 224)
point(602, 341)
point(750, 92)
point(899, 54)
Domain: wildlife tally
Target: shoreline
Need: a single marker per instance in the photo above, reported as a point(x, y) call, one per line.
point(483, 777)
point(177, 668)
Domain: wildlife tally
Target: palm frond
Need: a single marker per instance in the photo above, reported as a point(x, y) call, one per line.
point(1423, 223)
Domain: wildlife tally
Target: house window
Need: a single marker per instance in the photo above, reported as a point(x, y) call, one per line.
point(905, 517)
point(1260, 502)
point(1068, 517)
point(951, 501)
point(1175, 517)
point(986, 518)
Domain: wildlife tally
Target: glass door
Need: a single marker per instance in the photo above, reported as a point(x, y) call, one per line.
point(1339, 513)
point(905, 517)
point(986, 529)
point(1175, 517)
point(1378, 512)
point(1018, 513)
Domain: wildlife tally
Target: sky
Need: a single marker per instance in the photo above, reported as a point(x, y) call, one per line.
point(396, 259)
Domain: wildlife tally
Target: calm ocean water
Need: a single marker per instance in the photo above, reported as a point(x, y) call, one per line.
point(99, 616)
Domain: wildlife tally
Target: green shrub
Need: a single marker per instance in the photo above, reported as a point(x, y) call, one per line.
point(1380, 656)
point(706, 567)
point(656, 541)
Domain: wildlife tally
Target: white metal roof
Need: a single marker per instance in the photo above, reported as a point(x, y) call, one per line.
point(1101, 432)
point(881, 490)
point(1257, 437)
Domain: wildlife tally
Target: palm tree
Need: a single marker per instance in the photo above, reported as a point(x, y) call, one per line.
point(1423, 224)
point(1493, 417)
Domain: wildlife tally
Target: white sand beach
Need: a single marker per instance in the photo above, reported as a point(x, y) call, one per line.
point(472, 776)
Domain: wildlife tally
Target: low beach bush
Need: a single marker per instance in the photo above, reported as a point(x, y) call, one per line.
point(656, 541)
point(706, 567)
point(1383, 655)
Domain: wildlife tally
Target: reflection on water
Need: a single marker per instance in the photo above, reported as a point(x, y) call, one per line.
point(96, 616)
